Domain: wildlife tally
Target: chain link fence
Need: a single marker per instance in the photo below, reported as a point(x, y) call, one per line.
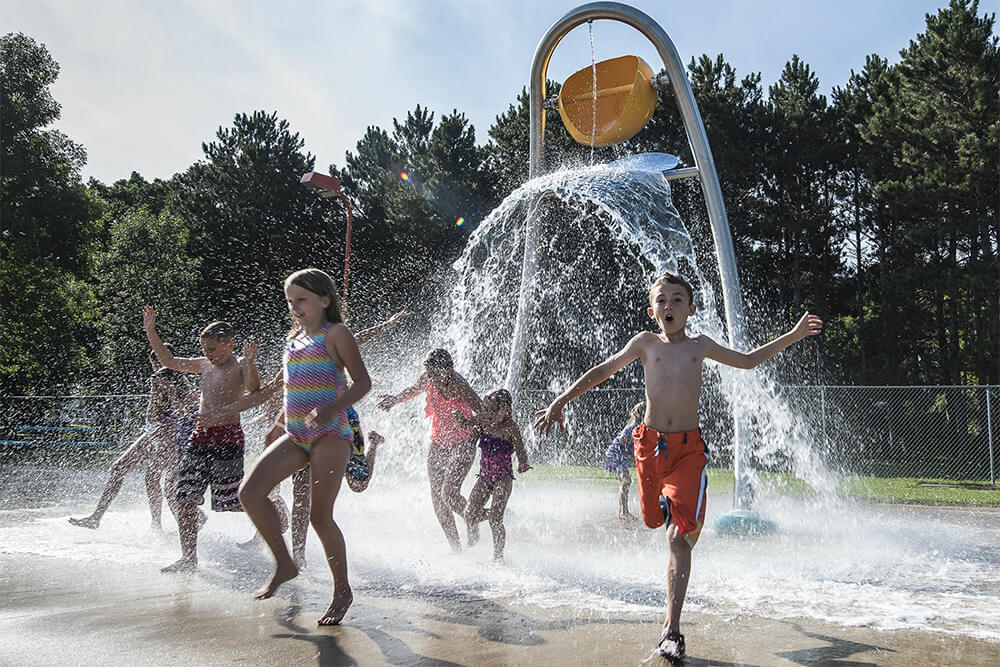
point(946, 432)
point(107, 422)
point(937, 432)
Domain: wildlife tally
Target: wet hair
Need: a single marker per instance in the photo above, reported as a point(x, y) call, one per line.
point(673, 280)
point(152, 353)
point(438, 358)
point(320, 283)
point(220, 330)
point(638, 412)
point(502, 397)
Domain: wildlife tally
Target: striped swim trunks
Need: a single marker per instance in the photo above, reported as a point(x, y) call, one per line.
point(214, 455)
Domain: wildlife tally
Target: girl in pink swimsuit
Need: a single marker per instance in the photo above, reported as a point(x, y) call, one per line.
point(451, 452)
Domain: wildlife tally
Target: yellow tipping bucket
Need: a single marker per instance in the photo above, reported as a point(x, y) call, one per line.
point(625, 101)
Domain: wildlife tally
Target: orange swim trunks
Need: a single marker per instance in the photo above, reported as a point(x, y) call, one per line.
point(672, 480)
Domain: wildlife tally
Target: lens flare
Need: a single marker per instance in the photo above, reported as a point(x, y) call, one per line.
point(403, 175)
point(460, 222)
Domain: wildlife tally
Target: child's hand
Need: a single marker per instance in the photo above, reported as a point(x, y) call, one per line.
point(808, 325)
point(318, 418)
point(549, 416)
point(249, 350)
point(397, 317)
point(461, 419)
point(522, 466)
point(148, 318)
point(386, 401)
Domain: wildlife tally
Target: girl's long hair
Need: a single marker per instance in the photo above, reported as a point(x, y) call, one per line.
point(320, 283)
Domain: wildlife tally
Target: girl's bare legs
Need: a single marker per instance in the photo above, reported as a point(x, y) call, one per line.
point(300, 515)
point(327, 463)
point(501, 494)
point(456, 470)
point(132, 458)
point(161, 451)
point(437, 462)
point(474, 510)
point(155, 496)
point(626, 483)
point(278, 462)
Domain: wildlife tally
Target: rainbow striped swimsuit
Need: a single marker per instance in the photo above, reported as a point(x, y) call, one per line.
point(312, 380)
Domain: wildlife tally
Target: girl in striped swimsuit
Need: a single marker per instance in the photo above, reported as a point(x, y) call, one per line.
point(319, 349)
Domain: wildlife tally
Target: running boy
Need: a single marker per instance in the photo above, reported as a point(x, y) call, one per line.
point(214, 454)
point(669, 452)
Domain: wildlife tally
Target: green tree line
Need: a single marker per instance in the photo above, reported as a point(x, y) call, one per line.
point(875, 208)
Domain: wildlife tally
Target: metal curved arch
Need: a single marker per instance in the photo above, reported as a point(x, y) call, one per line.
point(704, 166)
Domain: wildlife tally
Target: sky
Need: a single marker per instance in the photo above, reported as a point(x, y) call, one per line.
point(143, 84)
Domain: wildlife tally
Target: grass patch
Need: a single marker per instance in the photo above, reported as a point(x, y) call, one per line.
point(918, 490)
point(900, 490)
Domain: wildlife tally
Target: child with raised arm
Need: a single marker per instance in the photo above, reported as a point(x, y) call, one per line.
point(451, 454)
point(214, 453)
point(320, 348)
point(620, 455)
point(171, 399)
point(669, 452)
point(499, 439)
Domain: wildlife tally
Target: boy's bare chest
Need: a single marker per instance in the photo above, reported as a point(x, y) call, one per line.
point(674, 361)
point(224, 380)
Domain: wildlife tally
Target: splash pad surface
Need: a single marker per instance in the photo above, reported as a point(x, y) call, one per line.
point(574, 580)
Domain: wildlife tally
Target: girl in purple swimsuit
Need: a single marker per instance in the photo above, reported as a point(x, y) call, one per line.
point(499, 438)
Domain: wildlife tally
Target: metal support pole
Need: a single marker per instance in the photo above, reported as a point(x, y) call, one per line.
point(822, 408)
point(704, 163)
point(989, 433)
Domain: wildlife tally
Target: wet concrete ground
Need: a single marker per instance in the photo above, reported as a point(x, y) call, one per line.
point(67, 611)
point(77, 604)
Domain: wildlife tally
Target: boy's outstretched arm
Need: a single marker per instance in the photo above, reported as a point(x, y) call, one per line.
point(808, 325)
point(163, 355)
point(386, 401)
point(371, 333)
point(595, 376)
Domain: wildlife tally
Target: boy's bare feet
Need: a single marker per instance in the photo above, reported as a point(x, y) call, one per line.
point(185, 564)
point(627, 518)
point(281, 574)
point(86, 522)
point(338, 609)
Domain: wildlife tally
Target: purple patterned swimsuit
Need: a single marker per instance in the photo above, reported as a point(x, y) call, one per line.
point(620, 455)
point(495, 462)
